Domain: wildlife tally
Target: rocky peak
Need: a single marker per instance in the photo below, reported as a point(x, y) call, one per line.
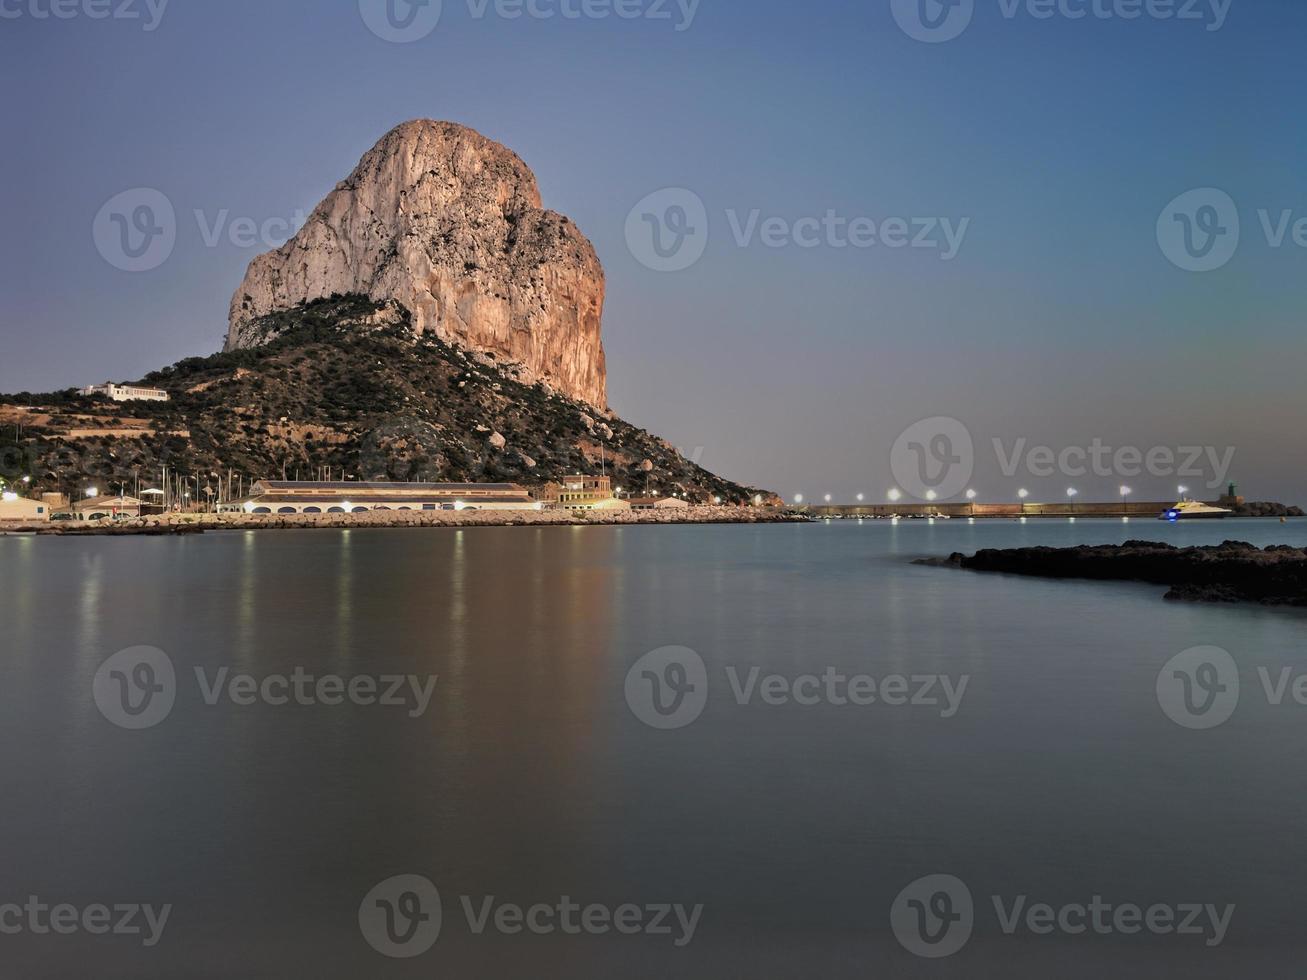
point(447, 223)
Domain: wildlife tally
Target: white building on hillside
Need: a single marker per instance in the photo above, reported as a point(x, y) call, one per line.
point(127, 393)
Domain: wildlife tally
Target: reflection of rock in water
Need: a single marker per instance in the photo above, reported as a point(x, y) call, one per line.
point(402, 448)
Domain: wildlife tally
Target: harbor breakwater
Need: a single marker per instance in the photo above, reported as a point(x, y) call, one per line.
point(993, 511)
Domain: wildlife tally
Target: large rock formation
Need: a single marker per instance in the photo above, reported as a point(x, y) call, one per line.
point(449, 224)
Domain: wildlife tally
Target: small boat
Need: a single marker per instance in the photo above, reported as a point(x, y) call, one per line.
point(1192, 510)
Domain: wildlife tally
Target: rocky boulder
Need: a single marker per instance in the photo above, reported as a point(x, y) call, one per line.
point(449, 224)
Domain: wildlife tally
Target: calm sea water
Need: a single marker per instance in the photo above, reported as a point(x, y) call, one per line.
point(532, 775)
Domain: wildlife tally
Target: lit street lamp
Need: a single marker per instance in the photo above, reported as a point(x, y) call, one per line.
point(971, 499)
point(1071, 494)
point(895, 496)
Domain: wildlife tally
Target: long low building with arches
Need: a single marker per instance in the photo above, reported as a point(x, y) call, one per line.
point(295, 497)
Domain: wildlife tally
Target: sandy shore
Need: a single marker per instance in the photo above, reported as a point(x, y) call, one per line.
point(198, 523)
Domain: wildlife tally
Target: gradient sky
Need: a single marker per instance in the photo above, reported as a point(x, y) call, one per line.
point(1059, 321)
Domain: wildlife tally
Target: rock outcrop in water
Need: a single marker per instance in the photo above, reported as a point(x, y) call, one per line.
point(448, 224)
point(1233, 571)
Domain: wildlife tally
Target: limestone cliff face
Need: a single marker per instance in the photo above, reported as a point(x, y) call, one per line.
point(448, 223)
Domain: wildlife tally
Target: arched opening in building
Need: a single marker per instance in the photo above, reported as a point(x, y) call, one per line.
point(286, 510)
point(261, 510)
point(336, 510)
point(313, 510)
point(360, 510)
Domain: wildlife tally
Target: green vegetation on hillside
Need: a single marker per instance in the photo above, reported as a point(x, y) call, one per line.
point(343, 387)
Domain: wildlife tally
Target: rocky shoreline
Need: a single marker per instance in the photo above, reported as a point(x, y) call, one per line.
point(199, 523)
point(1233, 571)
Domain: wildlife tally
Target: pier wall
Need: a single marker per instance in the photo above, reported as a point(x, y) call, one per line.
point(1001, 511)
